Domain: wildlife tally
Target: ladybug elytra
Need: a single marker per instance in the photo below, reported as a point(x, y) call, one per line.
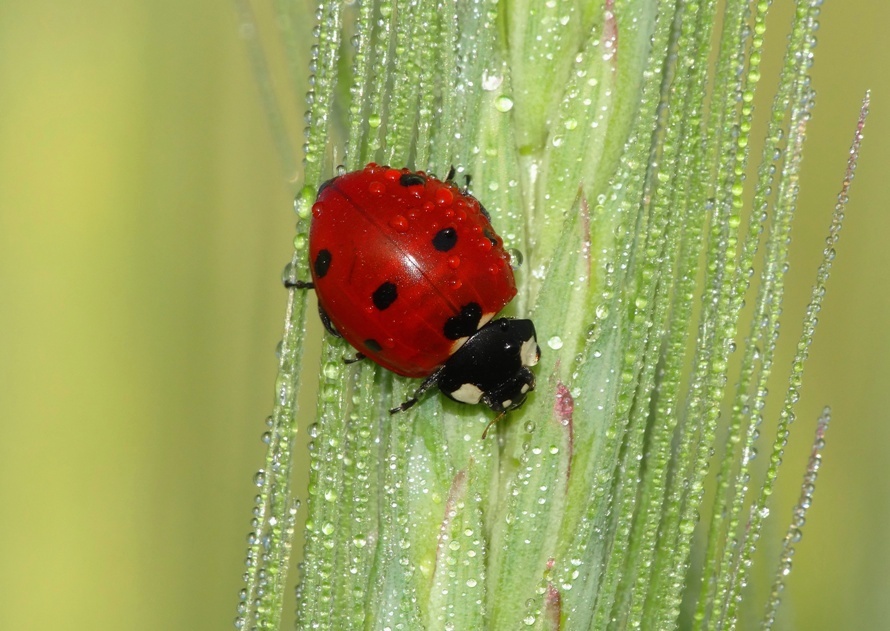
point(409, 271)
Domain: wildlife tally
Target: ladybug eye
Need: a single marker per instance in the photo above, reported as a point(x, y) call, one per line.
point(445, 239)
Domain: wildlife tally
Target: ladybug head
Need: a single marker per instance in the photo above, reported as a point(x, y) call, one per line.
point(492, 366)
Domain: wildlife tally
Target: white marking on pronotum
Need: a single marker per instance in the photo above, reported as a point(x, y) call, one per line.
point(524, 388)
point(507, 403)
point(529, 352)
point(467, 393)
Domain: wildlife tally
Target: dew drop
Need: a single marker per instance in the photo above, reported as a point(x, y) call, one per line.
point(555, 342)
point(516, 258)
point(289, 274)
point(491, 81)
point(331, 370)
point(503, 104)
point(303, 201)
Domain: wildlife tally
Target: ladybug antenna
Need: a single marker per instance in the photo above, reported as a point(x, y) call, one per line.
point(451, 173)
point(493, 421)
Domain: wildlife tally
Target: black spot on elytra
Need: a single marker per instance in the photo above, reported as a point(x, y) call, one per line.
point(322, 263)
point(445, 239)
point(384, 295)
point(411, 179)
point(465, 323)
point(373, 345)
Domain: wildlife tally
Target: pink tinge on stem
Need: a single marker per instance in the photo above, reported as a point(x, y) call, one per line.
point(563, 409)
point(564, 406)
point(553, 607)
point(457, 492)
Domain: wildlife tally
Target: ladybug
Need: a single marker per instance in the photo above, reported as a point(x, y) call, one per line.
point(409, 271)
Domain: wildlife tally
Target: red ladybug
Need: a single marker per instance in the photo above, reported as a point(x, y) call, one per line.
point(409, 271)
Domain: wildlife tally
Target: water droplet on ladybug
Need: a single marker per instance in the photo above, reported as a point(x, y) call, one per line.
point(399, 223)
point(376, 188)
point(444, 197)
point(454, 262)
point(516, 258)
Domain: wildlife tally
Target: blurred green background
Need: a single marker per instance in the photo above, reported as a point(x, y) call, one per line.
point(145, 218)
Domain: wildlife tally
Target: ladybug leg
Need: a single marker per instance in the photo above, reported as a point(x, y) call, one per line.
point(325, 318)
point(351, 360)
point(299, 284)
point(326, 321)
point(451, 173)
point(467, 179)
point(428, 383)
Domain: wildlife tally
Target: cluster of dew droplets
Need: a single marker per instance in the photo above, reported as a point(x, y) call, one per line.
point(759, 510)
point(265, 566)
point(798, 519)
point(323, 64)
point(810, 321)
point(274, 512)
point(461, 559)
